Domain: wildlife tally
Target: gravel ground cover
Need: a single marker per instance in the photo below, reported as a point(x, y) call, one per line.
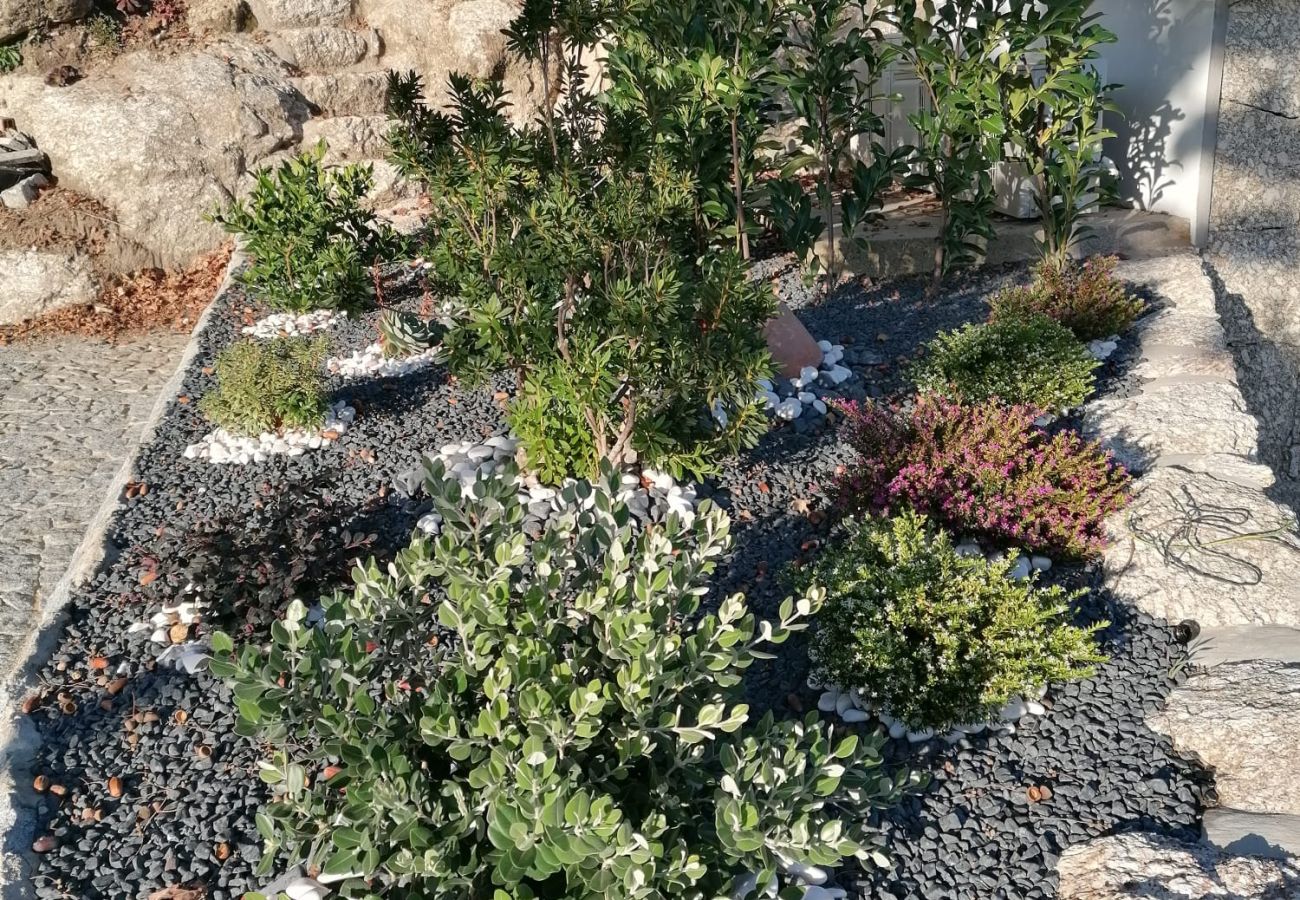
point(154, 790)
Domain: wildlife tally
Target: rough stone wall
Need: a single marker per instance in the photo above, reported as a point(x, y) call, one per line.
point(1254, 252)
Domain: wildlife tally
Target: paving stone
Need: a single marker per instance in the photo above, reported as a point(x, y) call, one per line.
point(1195, 546)
point(1154, 867)
point(1242, 643)
point(70, 412)
point(1199, 418)
point(1243, 719)
point(1176, 279)
point(1253, 834)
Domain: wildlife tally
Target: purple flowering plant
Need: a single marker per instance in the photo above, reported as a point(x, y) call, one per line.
point(985, 470)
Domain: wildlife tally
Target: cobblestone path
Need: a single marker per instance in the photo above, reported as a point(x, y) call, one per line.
point(71, 411)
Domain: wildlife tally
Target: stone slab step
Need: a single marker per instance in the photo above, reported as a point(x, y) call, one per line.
point(1242, 718)
point(345, 93)
point(1163, 362)
point(1155, 867)
point(1177, 279)
point(1198, 418)
point(1253, 834)
point(1195, 545)
point(1246, 643)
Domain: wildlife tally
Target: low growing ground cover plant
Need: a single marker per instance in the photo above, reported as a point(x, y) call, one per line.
point(935, 638)
point(311, 240)
point(1030, 360)
point(497, 716)
point(245, 568)
point(985, 470)
point(1085, 297)
point(268, 385)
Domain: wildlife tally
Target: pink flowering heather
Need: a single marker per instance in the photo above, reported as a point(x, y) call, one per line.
point(985, 470)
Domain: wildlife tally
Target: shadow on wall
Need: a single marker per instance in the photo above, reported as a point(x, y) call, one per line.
point(1158, 145)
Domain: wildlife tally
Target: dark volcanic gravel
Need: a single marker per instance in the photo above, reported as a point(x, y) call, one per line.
point(188, 786)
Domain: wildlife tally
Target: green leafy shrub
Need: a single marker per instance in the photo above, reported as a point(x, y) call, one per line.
point(1086, 298)
point(935, 638)
point(267, 385)
point(1029, 361)
point(11, 56)
point(576, 735)
point(311, 240)
point(589, 283)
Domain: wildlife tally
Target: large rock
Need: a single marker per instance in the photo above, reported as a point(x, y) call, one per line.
point(325, 48)
point(346, 93)
point(1198, 546)
point(436, 39)
point(273, 15)
point(33, 282)
point(1244, 720)
point(1152, 867)
point(163, 140)
point(17, 17)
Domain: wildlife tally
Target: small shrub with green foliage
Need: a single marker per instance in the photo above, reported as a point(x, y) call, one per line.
point(267, 385)
point(935, 638)
point(312, 242)
point(495, 715)
point(1085, 297)
point(1031, 361)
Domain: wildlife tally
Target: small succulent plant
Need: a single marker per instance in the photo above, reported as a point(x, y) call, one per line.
point(404, 334)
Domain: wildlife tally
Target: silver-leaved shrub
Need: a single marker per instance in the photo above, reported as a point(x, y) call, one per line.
point(506, 716)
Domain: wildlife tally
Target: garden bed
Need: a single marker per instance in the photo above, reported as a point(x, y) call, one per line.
point(156, 791)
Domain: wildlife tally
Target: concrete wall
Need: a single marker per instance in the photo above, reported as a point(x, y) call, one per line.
point(1166, 58)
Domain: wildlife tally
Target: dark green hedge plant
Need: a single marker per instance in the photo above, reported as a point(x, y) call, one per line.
point(1030, 361)
point(311, 240)
point(934, 638)
point(268, 385)
point(498, 716)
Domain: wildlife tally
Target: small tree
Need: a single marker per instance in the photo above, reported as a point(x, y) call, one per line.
point(571, 249)
point(958, 51)
point(832, 65)
point(1054, 118)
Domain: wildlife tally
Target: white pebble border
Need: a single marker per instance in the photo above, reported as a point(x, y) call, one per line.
point(468, 460)
point(830, 374)
point(371, 363)
point(187, 656)
point(279, 325)
point(852, 705)
point(222, 447)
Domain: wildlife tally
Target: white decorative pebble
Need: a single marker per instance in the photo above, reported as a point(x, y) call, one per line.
point(968, 550)
point(1040, 563)
point(789, 409)
point(1034, 708)
point(839, 374)
point(1014, 710)
point(808, 874)
point(854, 715)
point(897, 730)
point(281, 325)
point(1021, 569)
point(916, 737)
point(306, 889)
point(807, 375)
point(371, 363)
point(843, 703)
point(827, 702)
point(817, 892)
point(221, 446)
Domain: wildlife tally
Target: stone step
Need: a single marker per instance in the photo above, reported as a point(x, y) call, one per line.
point(1198, 418)
point(1197, 546)
point(345, 93)
point(1155, 867)
point(1246, 643)
point(1161, 362)
point(1176, 279)
point(1253, 834)
point(326, 48)
point(1243, 719)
